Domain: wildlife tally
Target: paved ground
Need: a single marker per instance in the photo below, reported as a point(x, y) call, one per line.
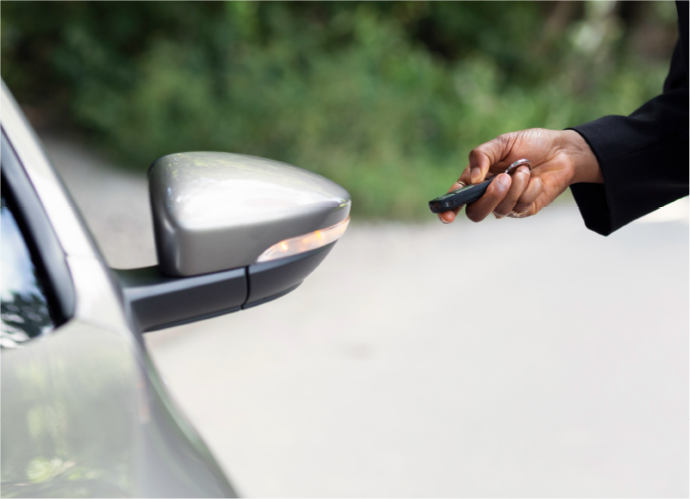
point(509, 358)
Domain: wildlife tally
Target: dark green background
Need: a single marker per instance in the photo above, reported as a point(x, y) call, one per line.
point(385, 98)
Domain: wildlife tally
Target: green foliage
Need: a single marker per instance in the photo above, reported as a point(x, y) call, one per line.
point(385, 98)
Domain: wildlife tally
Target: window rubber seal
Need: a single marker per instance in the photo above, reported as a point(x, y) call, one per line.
point(44, 246)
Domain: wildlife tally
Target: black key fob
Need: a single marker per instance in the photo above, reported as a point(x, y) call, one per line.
point(469, 193)
point(455, 199)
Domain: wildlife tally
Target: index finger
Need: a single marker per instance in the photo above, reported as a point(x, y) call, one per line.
point(484, 156)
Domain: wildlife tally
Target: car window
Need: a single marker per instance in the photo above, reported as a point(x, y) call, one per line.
point(24, 308)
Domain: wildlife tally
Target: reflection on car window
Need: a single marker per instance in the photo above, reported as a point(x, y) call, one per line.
point(23, 305)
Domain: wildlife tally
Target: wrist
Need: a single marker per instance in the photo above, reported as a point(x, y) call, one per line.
point(585, 167)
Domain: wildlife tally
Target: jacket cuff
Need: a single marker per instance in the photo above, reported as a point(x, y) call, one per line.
point(591, 198)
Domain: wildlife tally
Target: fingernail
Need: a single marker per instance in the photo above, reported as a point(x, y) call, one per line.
point(523, 170)
point(504, 180)
point(442, 219)
point(476, 175)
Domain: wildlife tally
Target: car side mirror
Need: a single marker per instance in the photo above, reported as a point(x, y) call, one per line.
point(232, 232)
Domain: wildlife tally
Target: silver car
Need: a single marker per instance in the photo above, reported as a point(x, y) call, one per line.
point(84, 412)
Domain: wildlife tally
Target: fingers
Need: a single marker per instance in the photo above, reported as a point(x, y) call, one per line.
point(504, 196)
point(519, 194)
point(518, 186)
point(533, 191)
point(487, 154)
point(497, 191)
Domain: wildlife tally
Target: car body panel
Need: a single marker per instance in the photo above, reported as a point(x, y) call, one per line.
point(65, 220)
point(84, 412)
point(81, 417)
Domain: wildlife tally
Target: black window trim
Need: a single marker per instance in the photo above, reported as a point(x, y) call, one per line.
point(43, 244)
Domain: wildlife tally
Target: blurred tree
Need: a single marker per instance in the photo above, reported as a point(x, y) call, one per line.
point(386, 98)
point(55, 49)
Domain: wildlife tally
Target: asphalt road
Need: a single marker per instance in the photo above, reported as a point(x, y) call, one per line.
point(508, 358)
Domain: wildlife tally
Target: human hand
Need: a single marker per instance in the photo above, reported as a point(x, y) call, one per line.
point(559, 159)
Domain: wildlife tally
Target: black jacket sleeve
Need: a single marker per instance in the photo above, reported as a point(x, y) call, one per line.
point(644, 156)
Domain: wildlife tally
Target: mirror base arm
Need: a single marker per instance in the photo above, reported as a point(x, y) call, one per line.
point(156, 301)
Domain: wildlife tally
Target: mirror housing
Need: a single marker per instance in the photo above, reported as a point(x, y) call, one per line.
point(232, 232)
point(217, 211)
